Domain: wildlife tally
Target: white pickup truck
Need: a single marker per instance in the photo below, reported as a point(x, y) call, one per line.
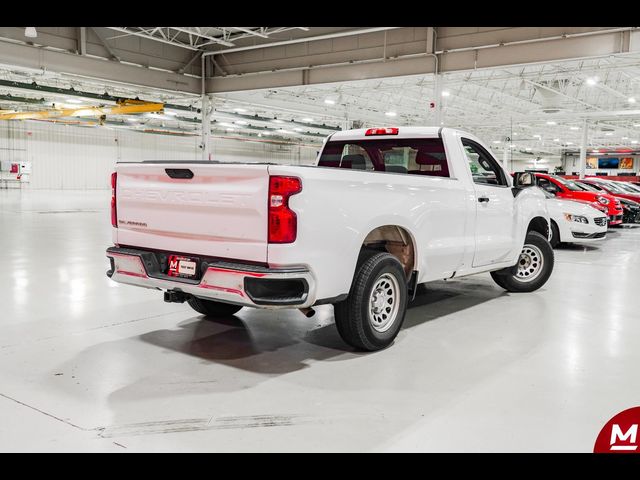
point(383, 210)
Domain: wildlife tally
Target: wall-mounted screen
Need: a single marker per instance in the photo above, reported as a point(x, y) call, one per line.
point(608, 162)
point(592, 162)
point(626, 163)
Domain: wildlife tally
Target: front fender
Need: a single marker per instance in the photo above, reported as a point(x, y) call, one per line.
point(529, 203)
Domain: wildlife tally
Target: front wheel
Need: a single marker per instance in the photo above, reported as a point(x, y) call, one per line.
point(371, 316)
point(533, 269)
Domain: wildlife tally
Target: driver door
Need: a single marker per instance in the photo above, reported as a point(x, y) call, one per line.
point(494, 206)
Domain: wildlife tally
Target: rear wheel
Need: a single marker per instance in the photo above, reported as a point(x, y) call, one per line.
point(371, 316)
point(533, 269)
point(212, 308)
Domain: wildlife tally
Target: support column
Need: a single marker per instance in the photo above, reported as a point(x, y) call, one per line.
point(505, 156)
point(583, 149)
point(438, 99)
point(206, 126)
point(82, 40)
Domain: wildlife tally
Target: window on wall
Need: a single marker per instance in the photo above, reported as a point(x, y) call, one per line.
point(484, 168)
point(409, 156)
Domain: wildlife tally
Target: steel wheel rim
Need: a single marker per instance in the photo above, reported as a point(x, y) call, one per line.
point(530, 264)
point(384, 302)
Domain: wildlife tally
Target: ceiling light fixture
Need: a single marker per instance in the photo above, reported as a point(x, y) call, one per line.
point(239, 110)
point(307, 120)
point(446, 93)
point(329, 101)
point(551, 122)
point(391, 114)
point(574, 128)
point(30, 32)
point(592, 81)
point(631, 100)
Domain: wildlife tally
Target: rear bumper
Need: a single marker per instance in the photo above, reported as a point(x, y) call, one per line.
point(249, 285)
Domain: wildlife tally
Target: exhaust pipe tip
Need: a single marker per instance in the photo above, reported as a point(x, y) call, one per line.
point(308, 312)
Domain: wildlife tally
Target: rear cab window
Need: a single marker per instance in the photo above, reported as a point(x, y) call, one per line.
point(421, 156)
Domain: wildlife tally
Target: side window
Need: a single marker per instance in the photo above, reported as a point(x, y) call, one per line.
point(484, 168)
point(550, 187)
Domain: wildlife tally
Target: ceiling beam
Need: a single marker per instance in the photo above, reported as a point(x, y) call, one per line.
point(149, 37)
point(106, 45)
point(43, 59)
point(361, 64)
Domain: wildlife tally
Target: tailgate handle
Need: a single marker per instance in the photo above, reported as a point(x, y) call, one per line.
point(183, 173)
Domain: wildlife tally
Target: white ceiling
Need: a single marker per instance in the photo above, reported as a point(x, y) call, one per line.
point(540, 107)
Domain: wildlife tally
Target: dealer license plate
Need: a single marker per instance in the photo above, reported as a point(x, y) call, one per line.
point(183, 267)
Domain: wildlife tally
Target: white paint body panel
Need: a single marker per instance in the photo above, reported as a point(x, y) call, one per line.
point(558, 207)
point(221, 212)
point(336, 210)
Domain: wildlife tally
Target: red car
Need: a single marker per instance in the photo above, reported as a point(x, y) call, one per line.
point(570, 190)
point(611, 188)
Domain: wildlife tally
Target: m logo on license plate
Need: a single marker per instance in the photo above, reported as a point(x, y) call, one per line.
point(183, 267)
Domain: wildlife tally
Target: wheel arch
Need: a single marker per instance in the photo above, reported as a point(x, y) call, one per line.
point(541, 225)
point(396, 240)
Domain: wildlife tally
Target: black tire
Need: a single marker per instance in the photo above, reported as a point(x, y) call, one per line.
point(555, 235)
point(512, 282)
point(352, 315)
point(213, 309)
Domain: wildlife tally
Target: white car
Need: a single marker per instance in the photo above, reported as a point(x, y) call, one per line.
point(575, 222)
point(383, 210)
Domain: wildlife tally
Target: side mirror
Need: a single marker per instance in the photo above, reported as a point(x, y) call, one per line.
point(524, 179)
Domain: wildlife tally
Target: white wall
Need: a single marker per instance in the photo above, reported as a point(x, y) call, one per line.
point(71, 157)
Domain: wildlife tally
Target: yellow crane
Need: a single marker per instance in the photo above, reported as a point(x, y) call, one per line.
point(122, 107)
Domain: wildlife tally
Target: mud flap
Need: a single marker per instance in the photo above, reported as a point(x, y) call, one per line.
point(412, 286)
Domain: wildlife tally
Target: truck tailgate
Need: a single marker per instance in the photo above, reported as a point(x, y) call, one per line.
point(220, 212)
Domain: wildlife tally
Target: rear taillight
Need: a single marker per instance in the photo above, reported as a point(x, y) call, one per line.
point(381, 131)
point(114, 212)
point(283, 223)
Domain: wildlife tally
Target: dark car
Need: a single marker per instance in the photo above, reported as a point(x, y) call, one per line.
point(631, 211)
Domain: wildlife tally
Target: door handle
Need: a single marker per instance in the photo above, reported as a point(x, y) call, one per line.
point(483, 199)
